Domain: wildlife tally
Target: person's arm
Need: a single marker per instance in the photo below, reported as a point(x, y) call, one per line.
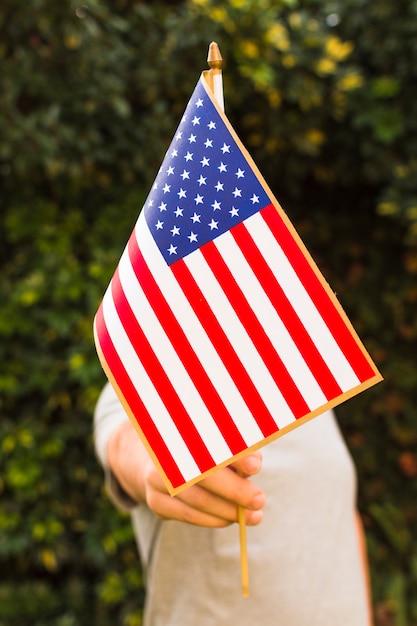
point(108, 415)
point(211, 502)
point(365, 564)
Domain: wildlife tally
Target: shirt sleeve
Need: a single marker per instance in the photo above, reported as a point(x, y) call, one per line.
point(108, 415)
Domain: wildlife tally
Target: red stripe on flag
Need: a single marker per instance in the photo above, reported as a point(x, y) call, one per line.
point(224, 349)
point(184, 350)
point(134, 402)
point(285, 310)
point(159, 378)
point(255, 330)
point(318, 294)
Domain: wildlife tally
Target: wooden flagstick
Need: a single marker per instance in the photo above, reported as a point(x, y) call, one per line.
point(243, 551)
point(215, 82)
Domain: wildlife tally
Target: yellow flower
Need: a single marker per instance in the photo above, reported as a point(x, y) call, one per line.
point(26, 438)
point(295, 20)
point(49, 560)
point(271, 145)
point(72, 42)
point(8, 443)
point(315, 136)
point(412, 212)
point(387, 208)
point(275, 98)
point(288, 60)
point(401, 171)
point(325, 66)
point(277, 36)
point(255, 139)
point(219, 14)
point(250, 49)
point(350, 81)
point(337, 49)
point(77, 361)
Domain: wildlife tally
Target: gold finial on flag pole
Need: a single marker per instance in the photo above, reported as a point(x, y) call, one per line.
point(214, 58)
point(214, 74)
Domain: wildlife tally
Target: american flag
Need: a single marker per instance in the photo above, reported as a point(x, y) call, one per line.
point(217, 330)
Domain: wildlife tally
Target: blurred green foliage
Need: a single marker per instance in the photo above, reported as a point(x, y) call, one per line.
point(324, 95)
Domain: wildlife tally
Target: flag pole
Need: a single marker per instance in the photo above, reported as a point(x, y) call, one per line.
point(215, 81)
point(243, 551)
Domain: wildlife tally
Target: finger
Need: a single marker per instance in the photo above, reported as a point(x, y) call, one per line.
point(198, 507)
point(212, 502)
point(240, 491)
point(249, 464)
point(217, 506)
point(208, 502)
point(194, 505)
point(224, 484)
point(167, 507)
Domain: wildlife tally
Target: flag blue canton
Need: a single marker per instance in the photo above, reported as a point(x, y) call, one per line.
point(204, 187)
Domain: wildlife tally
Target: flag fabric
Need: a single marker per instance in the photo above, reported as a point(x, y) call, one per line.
point(217, 330)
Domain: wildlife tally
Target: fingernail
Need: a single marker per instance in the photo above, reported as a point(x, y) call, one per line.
point(253, 464)
point(254, 517)
point(258, 501)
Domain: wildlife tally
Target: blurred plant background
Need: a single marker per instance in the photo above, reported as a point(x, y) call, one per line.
point(324, 95)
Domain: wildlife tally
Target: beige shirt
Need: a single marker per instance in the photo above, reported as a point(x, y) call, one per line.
point(305, 564)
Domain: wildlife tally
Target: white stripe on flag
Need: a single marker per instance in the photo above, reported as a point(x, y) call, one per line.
point(149, 396)
point(172, 364)
point(302, 304)
point(197, 336)
point(268, 318)
point(239, 338)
